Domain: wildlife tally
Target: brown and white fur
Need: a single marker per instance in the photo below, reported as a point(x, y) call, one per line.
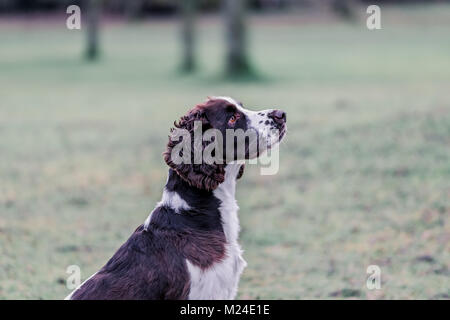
point(188, 246)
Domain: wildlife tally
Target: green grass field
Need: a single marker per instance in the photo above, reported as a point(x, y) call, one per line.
point(365, 169)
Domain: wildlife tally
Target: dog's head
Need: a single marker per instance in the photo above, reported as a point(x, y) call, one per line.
point(218, 132)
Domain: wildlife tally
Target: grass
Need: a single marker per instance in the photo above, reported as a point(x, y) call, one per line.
point(365, 169)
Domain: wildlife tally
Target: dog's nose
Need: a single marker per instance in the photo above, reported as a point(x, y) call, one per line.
point(279, 116)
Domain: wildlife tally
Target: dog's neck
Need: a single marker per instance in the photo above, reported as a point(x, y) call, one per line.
point(176, 184)
point(228, 208)
point(229, 184)
point(181, 197)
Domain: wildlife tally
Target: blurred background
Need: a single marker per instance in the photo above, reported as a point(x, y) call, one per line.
point(364, 173)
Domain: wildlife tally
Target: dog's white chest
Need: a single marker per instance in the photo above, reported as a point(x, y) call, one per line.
point(220, 281)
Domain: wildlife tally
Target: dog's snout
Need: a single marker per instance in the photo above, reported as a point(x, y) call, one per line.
point(279, 116)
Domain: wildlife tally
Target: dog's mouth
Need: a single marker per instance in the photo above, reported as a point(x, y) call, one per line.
point(282, 133)
point(279, 135)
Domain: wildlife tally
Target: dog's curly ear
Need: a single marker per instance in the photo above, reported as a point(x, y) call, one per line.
point(203, 176)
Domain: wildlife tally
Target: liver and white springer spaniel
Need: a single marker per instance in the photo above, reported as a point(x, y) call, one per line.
point(188, 246)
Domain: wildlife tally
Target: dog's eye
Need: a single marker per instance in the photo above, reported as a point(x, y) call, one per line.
point(233, 119)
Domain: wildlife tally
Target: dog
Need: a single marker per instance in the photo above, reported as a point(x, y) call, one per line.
point(188, 246)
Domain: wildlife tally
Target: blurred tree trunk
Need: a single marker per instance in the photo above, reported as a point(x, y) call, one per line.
point(133, 9)
point(93, 15)
point(188, 8)
point(345, 9)
point(236, 56)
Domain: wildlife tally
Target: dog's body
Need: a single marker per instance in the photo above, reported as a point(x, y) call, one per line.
point(193, 260)
point(188, 246)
